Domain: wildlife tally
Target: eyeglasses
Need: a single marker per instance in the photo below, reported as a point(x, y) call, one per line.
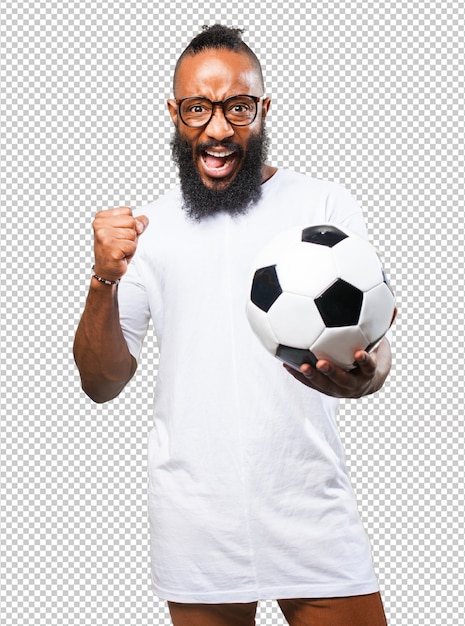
point(197, 111)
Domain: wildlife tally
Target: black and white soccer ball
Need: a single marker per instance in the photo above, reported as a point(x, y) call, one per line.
point(319, 292)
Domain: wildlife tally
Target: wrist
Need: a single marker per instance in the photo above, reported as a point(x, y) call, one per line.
point(102, 291)
point(103, 280)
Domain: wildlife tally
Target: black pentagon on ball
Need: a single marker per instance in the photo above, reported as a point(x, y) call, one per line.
point(324, 235)
point(340, 304)
point(295, 357)
point(265, 288)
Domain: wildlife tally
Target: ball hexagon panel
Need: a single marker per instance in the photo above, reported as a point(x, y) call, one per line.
point(377, 312)
point(340, 304)
point(272, 252)
point(343, 342)
point(306, 269)
point(260, 325)
point(295, 320)
point(358, 263)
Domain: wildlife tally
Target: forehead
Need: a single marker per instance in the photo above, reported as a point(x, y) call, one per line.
point(217, 74)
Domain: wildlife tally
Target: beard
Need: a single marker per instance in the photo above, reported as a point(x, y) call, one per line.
point(244, 190)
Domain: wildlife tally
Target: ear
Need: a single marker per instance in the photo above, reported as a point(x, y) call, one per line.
point(173, 110)
point(266, 107)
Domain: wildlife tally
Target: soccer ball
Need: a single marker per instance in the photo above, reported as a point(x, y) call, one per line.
point(319, 292)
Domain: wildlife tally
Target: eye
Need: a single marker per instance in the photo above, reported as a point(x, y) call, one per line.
point(194, 107)
point(241, 106)
point(197, 108)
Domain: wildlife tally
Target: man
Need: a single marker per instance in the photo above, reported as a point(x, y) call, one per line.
point(249, 496)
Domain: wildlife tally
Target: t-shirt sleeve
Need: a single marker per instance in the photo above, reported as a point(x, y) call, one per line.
point(342, 209)
point(134, 311)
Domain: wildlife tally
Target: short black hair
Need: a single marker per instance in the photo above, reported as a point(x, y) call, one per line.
point(219, 37)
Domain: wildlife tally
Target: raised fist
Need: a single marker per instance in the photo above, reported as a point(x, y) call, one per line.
point(116, 234)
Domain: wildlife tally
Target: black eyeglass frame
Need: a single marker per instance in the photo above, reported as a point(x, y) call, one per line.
point(222, 104)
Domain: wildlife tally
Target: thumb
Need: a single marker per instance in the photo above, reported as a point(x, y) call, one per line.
point(142, 222)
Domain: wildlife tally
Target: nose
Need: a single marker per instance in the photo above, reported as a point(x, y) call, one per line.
point(218, 127)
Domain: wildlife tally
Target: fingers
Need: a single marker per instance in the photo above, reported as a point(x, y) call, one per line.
point(316, 379)
point(120, 210)
point(331, 380)
point(328, 378)
point(142, 222)
point(116, 234)
point(121, 217)
point(366, 363)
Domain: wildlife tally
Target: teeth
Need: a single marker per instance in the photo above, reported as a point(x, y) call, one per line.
point(219, 155)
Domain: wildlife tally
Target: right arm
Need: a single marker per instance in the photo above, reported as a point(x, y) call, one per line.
point(100, 350)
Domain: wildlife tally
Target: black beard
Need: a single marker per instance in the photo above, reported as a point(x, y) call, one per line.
point(244, 190)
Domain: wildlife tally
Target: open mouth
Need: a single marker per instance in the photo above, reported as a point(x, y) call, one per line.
point(218, 163)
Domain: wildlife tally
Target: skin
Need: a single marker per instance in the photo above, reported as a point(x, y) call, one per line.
point(101, 353)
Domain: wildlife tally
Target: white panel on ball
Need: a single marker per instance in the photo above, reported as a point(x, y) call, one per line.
point(377, 311)
point(306, 269)
point(261, 326)
point(343, 342)
point(295, 320)
point(273, 250)
point(358, 263)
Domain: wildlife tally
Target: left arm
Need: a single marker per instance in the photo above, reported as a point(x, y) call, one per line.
point(367, 378)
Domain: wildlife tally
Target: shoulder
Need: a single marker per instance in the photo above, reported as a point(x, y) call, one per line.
point(299, 181)
point(315, 199)
point(296, 188)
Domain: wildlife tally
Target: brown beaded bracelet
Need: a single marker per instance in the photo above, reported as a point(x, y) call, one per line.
point(104, 280)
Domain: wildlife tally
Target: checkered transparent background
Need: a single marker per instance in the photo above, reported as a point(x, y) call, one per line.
point(369, 94)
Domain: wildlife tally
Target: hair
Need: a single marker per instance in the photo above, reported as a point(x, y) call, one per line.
point(219, 37)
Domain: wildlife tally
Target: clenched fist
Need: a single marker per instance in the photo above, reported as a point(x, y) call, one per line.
point(116, 234)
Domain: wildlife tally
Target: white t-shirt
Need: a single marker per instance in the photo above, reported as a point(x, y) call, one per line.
point(249, 496)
